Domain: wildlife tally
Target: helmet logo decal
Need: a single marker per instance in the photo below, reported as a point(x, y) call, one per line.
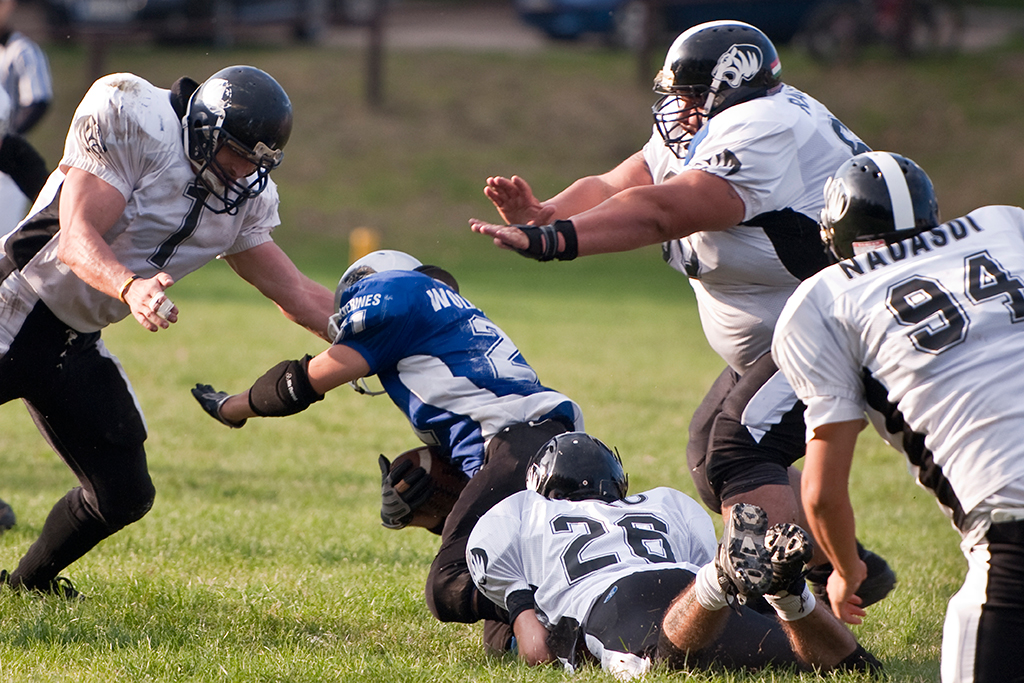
point(737, 64)
point(837, 201)
point(665, 80)
point(217, 96)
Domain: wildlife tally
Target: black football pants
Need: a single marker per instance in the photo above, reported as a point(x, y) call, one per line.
point(82, 403)
point(745, 434)
point(451, 595)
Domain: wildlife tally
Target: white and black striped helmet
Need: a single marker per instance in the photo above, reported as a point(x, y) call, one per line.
point(874, 199)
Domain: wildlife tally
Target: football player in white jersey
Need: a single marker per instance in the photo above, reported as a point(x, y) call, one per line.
point(153, 184)
point(589, 573)
point(465, 388)
point(730, 183)
point(917, 328)
point(25, 76)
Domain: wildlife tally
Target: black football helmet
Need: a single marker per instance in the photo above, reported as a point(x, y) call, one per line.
point(874, 199)
point(576, 466)
point(713, 66)
point(249, 112)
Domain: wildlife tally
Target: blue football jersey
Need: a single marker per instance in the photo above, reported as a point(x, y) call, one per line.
point(457, 377)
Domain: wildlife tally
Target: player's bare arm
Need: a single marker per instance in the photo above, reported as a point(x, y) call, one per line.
point(517, 204)
point(691, 202)
point(826, 500)
point(532, 639)
point(515, 201)
point(301, 300)
point(337, 365)
point(89, 207)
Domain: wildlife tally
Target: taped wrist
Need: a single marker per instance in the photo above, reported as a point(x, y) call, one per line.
point(544, 241)
point(283, 390)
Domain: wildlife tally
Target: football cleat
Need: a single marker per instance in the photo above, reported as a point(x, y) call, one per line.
point(790, 550)
point(880, 581)
point(61, 587)
point(743, 563)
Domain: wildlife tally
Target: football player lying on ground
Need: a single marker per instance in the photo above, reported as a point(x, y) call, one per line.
point(918, 325)
point(586, 572)
point(456, 376)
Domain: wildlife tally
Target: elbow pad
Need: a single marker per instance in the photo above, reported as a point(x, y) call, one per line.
point(284, 390)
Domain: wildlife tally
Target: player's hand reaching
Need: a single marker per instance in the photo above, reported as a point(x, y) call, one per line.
point(844, 599)
point(211, 400)
point(541, 242)
point(148, 301)
point(515, 201)
point(402, 490)
point(505, 236)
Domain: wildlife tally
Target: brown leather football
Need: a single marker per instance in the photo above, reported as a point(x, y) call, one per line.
point(448, 484)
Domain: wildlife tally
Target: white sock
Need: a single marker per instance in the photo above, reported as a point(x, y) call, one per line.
point(791, 607)
point(706, 589)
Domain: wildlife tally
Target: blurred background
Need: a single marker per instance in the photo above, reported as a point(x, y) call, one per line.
point(828, 29)
point(404, 107)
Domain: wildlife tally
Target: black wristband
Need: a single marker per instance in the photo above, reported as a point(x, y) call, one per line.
point(543, 245)
point(568, 232)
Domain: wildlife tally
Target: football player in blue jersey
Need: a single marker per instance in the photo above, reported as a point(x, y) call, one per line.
point(465, 388)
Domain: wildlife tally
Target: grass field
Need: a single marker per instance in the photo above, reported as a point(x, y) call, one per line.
point(263, 559)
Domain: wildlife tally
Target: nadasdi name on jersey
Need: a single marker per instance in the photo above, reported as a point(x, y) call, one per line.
point(921, 243)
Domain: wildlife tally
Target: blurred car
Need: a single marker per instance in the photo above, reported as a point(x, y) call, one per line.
point(624, 22)
point(205, 19)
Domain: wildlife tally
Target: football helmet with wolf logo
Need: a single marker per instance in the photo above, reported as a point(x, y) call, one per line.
point(709, 68)
point(246, 110)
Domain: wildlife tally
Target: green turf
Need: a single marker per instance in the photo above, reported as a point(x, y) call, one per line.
point(263, 558)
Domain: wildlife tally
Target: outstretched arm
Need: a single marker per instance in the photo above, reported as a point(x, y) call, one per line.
point(826, 499)
point(515, 201)
point(301, 300)
point(638, 216)
point(287, 388)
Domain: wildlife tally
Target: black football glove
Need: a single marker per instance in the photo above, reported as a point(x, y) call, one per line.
point(211, 400)
point(402, 491)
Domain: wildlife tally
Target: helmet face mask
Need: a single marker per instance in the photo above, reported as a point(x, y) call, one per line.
point(874, 199)
point(576, 466)
point(245, 111)
point(709, 68)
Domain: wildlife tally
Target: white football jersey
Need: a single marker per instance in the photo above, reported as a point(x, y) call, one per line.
point(126, 133)
point(928, 332)
point(572, 551)
point(777, 152)
point(24, 72)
